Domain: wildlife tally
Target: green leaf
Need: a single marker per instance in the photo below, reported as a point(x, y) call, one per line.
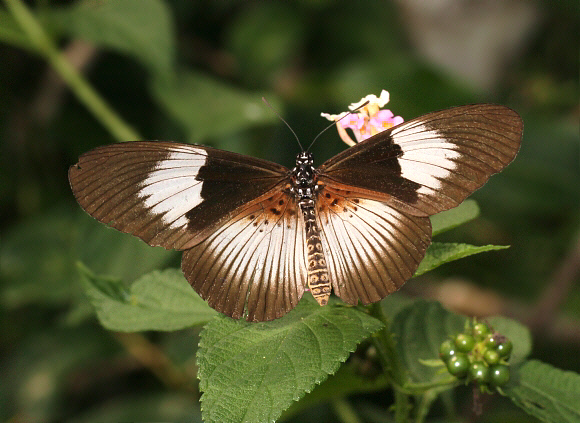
point(157, 301)
point(265, 41)
point(141, 28)
point(254, 371)
point(108, 251)
point(440, 253)
point(449, 219)
point(419, 331)
point(545, 392)
point(38, 256)
point(348, 380)
point(517, 333)
point(206, 107)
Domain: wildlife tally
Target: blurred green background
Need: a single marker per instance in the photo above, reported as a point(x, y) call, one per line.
point(195, 72)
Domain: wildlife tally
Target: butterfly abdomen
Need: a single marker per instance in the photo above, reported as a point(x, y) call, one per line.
point(317, 271)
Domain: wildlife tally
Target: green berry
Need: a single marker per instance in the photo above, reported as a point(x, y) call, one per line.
point(480, 331)
point(479, 372)
point(447, 350)
point(499, 375)
point(491, 342)
point(491, 356)
point(458, 365)
point(505, 348)
point(464, 342)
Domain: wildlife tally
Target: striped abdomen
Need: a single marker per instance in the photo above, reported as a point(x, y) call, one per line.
point(317, 272)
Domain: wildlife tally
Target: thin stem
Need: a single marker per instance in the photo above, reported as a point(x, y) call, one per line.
point(424, 406)
point(78, 85)
point(344, 411)
point(557, 290)
point(154, 359)
point(419, 388)
point(385, 345)
point(394, 370)
point(402, 407)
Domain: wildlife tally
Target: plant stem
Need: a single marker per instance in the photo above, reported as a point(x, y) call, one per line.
point(154, 359)
point(402, 407)
point(419, 388)
point(424, 405)
point(386, 349)
point(78, 85)
point(344, 411)
point(394, 370)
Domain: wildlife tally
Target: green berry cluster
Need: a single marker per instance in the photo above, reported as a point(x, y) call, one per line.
point(478, 356)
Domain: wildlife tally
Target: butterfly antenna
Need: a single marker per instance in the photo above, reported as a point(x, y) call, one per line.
point(335, 122)
point(286, 123)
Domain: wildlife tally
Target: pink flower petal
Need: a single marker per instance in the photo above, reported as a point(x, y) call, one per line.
point(398, 120)
point(353, 121)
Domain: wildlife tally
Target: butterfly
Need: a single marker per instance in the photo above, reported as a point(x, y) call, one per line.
point(256, 235)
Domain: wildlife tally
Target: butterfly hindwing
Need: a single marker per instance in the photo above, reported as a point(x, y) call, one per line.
point(254, 265)
point(434, 162)
point(371, 248)
point(168, 194)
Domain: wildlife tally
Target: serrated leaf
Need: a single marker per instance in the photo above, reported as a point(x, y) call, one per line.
point(160, 300)
point(348, 380)
point(517, 333)
point(440, 253)
point(449, 219)
point(141, 28)
point(206, 107)
point(545, 392)
point(253, 371)
point(419, 331)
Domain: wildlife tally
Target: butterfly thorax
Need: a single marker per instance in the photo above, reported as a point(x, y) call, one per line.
point(304, 187)
point(303, 176)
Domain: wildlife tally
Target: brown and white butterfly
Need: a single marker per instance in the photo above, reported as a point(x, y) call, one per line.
point(256, 235)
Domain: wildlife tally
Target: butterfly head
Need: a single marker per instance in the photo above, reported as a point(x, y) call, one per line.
point(304, 159)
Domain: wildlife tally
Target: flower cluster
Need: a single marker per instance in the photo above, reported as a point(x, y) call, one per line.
point(478, 356)
point(365, 119)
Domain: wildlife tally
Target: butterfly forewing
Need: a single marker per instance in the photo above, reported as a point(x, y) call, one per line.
point(253, 265)
point(431, 163)
point(168, 194)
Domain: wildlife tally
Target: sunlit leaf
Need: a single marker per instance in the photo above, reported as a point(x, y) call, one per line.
point(440, 253)
point(254, 371)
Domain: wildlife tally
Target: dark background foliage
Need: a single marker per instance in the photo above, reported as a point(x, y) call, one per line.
point(196, 71)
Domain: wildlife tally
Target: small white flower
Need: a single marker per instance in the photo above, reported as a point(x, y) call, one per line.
point(367, 120)
point(380, 101)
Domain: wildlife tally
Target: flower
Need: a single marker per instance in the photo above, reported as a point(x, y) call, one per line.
point(367, 120)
